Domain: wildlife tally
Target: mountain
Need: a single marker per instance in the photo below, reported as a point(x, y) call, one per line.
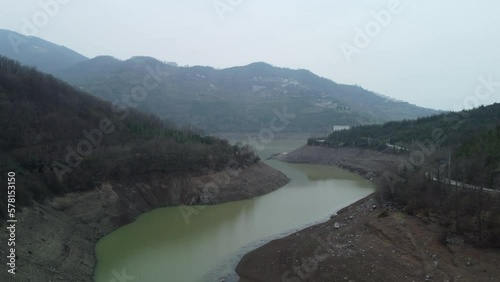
point(239, 99)
point(33, 51)
point(253, 98)
point(63, 140)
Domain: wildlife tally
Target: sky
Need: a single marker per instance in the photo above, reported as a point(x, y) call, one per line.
point(437, 54)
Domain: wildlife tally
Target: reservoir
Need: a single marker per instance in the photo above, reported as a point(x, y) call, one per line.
point(166, 245)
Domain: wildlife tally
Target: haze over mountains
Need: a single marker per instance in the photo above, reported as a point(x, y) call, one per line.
point(90, 143)
point(238, 99)
point(33, 51)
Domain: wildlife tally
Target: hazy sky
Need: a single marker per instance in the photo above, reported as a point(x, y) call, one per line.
point(430, 53)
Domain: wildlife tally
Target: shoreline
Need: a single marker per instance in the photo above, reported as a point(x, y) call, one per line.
point(366, 242)
point(264, 241)
point(364, 162)
point(59, 236)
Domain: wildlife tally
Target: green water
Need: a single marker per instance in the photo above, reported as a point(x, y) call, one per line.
point(163, 245)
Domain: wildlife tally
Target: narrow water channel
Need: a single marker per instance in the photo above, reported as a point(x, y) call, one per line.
point(161, 246)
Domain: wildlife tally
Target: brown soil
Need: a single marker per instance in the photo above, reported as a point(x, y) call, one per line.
point(373, 245)
point(366, 244)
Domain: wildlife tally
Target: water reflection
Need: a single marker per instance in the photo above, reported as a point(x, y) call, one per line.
point(161, 246)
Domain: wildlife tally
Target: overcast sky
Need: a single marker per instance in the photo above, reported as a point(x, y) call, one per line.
point(429, 53)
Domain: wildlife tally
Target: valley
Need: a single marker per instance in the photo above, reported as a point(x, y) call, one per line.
point(249, 141)
point(213, 238)
point(232, 100)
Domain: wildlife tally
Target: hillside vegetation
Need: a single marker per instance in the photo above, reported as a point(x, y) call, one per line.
point(467, 136)
point(233, 100)
point(58, 139)
point(240, 99)
point(449, 168)
point(454, 128)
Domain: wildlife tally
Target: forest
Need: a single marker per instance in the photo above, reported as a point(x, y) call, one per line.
point(464, 205)
point(464, 135)
point(449, 162)
point(59, 139)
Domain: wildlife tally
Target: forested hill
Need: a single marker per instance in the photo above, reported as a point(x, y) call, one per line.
point(471, 138)
point(236, 99)
point(61, 139)
point(453, 129)
point(241, 99)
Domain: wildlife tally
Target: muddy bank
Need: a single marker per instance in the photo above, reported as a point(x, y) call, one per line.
point(365, 162)
point(56, 240)
point(366, 242)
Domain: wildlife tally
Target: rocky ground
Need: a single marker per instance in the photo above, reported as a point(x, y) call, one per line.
point(365, 162)
point(55, 240)
point(367, 242)
point(363, 243)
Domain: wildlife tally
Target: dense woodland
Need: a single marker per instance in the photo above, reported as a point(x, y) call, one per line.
point(58, 139)
point(462, 146)
point(472, 135)
point(456, 128)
